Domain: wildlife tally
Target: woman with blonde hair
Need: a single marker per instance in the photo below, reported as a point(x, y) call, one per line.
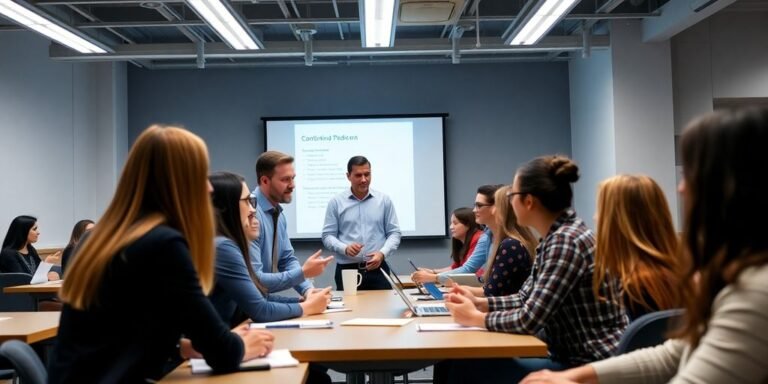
point(139, 280)
point(724, 286)
point(637, 243)
point(513, 246)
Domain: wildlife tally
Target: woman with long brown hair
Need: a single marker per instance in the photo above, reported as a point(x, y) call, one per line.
point(512, 250)
point(636, 242)
point(725, 294)
point(137, 283)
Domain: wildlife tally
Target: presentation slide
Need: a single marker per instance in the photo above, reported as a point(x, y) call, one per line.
point(406, 155)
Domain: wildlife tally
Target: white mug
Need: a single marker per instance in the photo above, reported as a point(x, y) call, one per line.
point(351, 280)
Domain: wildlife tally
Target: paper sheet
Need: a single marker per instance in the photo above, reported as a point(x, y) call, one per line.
point(377, 322)
point(41, 274)
point(294, 324)
point(279, 358)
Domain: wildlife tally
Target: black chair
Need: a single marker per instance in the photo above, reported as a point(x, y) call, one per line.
point(29, 368)
point(16, 302)
point(648, 330)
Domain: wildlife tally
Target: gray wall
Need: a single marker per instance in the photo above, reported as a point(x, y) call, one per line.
point(62, 130)
point(500, 116)
point(725, 56)
point(592, 127)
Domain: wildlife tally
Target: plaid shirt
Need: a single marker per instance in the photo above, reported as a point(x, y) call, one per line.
point(558, 298)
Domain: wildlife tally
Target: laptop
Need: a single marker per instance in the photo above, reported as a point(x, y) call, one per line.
point(437, 309)
point(428, 289)
point(468, 279)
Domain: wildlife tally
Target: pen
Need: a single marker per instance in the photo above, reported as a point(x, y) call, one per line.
point(274, 326)
point(415, 268)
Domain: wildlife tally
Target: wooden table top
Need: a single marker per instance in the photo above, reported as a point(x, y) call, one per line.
point(363, 343)
point(407, 282)
point(291, 375)
point(49, 287)
point(29, 327)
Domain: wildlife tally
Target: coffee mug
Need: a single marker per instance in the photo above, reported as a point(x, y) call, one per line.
point(351, 280)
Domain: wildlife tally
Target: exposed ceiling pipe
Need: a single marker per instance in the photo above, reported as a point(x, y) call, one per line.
point(306, 35)
point(336, 12)
point(92, 18)
point(455, 43)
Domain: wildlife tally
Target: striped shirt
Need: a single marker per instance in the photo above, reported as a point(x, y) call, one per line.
point(558, 299)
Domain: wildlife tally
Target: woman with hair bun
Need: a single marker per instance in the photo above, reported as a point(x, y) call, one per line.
point(557, 301)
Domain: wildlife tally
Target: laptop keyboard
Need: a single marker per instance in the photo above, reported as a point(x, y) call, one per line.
point(433, 309)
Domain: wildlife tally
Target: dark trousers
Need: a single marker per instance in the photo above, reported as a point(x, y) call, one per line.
point(372, 280)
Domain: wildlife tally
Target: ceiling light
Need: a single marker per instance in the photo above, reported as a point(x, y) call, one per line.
point(224, 21)
point(540, 21)
point(378, 22)
point(48, 27)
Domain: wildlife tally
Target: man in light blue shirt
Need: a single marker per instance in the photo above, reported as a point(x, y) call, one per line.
point(273, 258)
point(361, 228)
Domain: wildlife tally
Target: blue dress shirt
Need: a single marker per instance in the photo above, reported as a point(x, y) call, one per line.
point(476, 260)
point(371, 221)
point(289, 269)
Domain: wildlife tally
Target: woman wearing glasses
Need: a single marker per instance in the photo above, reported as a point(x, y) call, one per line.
point(725, 295)
point(238, 294)
point(484, 201)
point(557, 299)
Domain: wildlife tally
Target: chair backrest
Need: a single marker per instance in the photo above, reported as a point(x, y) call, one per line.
point(25, 361)
point(648, 330)
point(16, 302)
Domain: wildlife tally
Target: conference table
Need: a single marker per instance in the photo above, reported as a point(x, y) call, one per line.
point(43, 291)
point(29, 327)
point(380, 351)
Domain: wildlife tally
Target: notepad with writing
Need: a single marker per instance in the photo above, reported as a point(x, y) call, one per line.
point(307, 324)
point(377, 322)
point(446, 327)
point(279, 358)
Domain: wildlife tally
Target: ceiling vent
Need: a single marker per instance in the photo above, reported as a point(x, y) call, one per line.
point(429, 12)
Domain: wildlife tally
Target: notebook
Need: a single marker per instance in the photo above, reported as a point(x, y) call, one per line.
point(418, 309)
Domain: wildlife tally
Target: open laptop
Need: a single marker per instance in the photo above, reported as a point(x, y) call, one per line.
point(437, 309)
point(428, 289)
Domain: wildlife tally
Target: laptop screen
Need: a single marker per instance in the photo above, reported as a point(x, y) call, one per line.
point(399, 291)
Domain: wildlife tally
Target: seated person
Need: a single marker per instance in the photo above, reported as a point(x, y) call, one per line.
point(18, 255)
point(465, 233)
point(513, 246)
point(80, 228)
point(639, 249)
point(238, 294)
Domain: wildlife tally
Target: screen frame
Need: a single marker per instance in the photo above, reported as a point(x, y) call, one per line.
point(442, 115)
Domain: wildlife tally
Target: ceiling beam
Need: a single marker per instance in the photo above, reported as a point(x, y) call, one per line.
point(410, 47)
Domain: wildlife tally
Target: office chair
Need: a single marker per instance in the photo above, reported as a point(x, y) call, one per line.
point(29, 368)
point(648, 330)
point(16, 302)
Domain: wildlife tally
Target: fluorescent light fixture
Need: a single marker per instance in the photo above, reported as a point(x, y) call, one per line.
point(225, 23)
point(47, 27)
point(541, 21)
point(378, 18)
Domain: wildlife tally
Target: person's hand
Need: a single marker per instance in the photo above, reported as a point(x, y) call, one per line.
point(374, 260)
point(464, 312)
point(315, 265)
point(187, 351)
point(479, 302)
point(257, 342)
point(353, 249)
point(548, 377)
point(53, 276)
point(54, 258)
point(316, 302)
point(423, 276)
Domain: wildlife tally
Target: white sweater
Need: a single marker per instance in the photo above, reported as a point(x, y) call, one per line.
point(733, 350)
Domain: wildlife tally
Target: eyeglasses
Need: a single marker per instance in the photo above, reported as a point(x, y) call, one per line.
point(250, 200)
point(481, 205)
point(510, 194)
